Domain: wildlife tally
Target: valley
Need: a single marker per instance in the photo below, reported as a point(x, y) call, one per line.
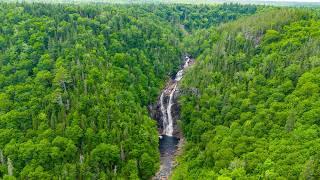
point(159, 91)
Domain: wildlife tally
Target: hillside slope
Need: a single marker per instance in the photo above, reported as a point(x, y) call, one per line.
point(250, 105)
point(74, 85)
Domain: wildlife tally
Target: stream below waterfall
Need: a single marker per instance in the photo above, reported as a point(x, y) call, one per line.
point(168, 112)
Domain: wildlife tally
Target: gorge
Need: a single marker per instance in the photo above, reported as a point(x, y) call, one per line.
point(168, 113)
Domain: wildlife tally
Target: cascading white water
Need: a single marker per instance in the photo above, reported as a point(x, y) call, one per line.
point(169, 139)
point(169, 128)
point(186, 64)
point(179, 75)
point(166, 111)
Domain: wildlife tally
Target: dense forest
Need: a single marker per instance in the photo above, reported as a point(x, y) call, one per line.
point(76, 80)
point(250, 105)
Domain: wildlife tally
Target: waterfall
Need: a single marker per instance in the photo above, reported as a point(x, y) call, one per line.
point(179, 75)
point(167, 113)
point(169, 128)
point(165, 105)
point(164, 112)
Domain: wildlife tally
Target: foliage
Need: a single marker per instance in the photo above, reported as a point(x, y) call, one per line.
point(74, 85)
point(251, 103)
point(76, 80)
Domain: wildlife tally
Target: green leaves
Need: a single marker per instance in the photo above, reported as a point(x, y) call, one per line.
point(146, 166)
point(260, 98)
point(105, 155)
point(75, 82)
